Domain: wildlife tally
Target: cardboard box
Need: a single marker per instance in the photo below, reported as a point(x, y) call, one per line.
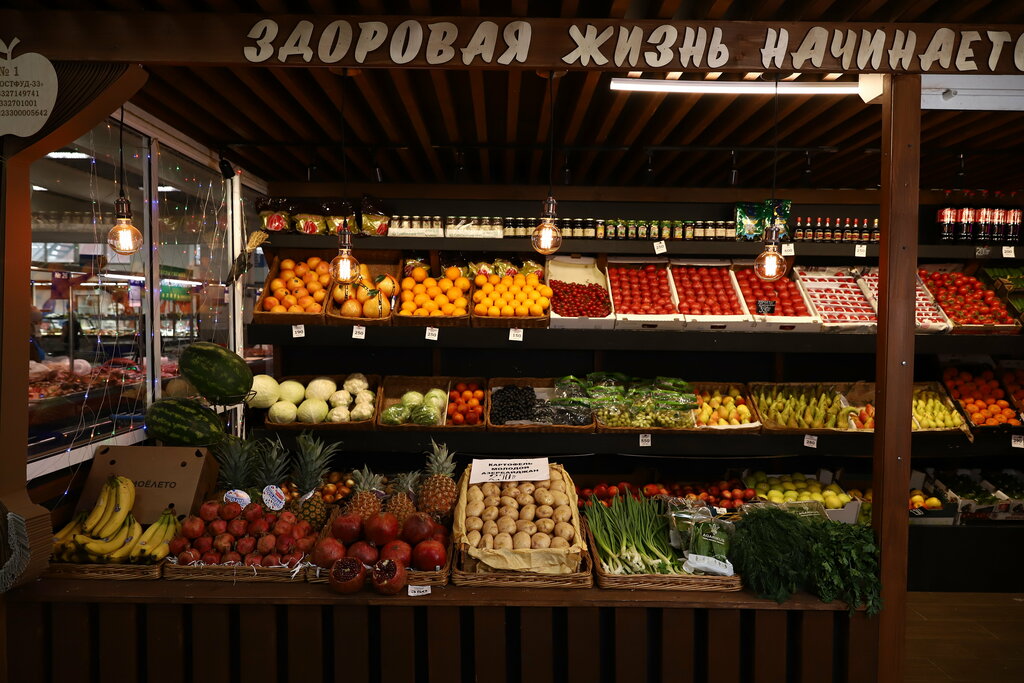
point(846, 514)
point(580, 270)
point(947, 515)
point(632, 321)
point(714, 323)
point(164, 476)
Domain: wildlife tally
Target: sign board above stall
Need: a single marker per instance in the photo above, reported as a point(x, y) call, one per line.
point(535, 43)
point(28, 89)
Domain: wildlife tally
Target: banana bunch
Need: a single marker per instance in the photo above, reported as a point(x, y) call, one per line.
point(111, 534)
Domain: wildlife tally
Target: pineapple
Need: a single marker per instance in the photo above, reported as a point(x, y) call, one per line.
point(437, 492)
point(364, 500)
point(400, 504)
point(236, 458)
point(270, 467)
point(312, 462)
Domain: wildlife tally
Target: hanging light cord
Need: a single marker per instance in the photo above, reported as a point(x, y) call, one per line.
point(344, 180)
point(120, 148)
point(551, 131)
point(775, 142)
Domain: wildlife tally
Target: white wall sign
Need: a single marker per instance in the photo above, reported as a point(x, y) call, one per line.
point(519, 469)
point(28, 89)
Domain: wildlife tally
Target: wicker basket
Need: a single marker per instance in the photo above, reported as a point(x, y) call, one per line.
point(262, 317)
point(232, 573)
point(482, 424)
point(510, 579)
point(522, 323)
point(378, 262)
point(430, 321)
point(105, 572)
point(361, 426)
point(769, 426)
point(537, 383)
point(753, 427)
point(390, 393)
point(659, 582)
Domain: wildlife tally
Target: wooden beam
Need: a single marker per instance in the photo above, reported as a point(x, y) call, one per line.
point(365, 81)
point(479, 98)
point(414, 111)
point(901, 154)
point(515, 79)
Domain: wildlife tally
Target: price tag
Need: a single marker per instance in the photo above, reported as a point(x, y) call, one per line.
point(1009, 252)
point(515, 334)
point(788, 250)
point(358, 332)
point(507, 469)
point(810, 441)
point(982, 252)
point(765, 307)
point(1017, 441)
point(298, 331)
point(860, 250)
point(431, 334)
point(659, 247)
point(416, 591)
point(645, 440)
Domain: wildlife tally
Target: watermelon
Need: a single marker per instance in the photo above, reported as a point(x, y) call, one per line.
point(183, 422)
point(219, 375)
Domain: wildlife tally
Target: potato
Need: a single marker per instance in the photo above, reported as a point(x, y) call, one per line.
point(543, 497)
point(528, 512)
point(474, 493)
point(563, 513)
point(490, 512)
point(545, 511)
point(509, 501)
point(554, 475)
point(505, 485)
point(565, 530)
point(473, 538)
point(524, 499)
point(489, 527)
point(492, 501)
point(560, 498)
point(545, 526)
point(527, 488)
point(527, 526)
point(503, 541)
point(509, 511)
point(559, 542)
point(474, 508)
point(540, 541)
point(511, 492)
point(557, 486)
point(542, 484)
point(506, 525)
point(486, 541)
point(474, 524)
point(521, 540)
point(490, 489)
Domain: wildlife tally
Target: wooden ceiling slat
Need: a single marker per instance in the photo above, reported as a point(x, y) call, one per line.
point(372, 6)
point(865, 11)
point(515, 78)
point(536, 177)
point(582, 107)
point(910, 11)
point(273, 6)
point(301, 127)
point(382, 110)
point(689, 137)
point(413, 109)
point(717, 9)
point(569, 8)
point(967, 9)
point(667, 9)
point(445, 101)
point(479, 99)
point(767, 10)
point(607, 125)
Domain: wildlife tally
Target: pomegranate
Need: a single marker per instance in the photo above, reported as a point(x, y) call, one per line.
point(364, 552)
point(231, 557)
point(266, 544)
point(302, 528)
point(223, 543)
point(429, 556)
point(381, 529)
point(347, 528)
point(441, 537)
point(282, 528)
point(305, 544)
point(397, 550)
point(230, 510)
point(252, 512)
point(216, 528)
point(271, 518)
point(347, 575)
point(189, 556)
point(209, 510)
point(291, 559)
point(288, 516)
point(203, 544)
point(253, 560)
point(238, 527)
point(260, 527)
point(178, 545)
point(246, 545)
point(271, 560)
point(210, 557)
point(285, 544)
point(388, 577)
point(327, 552)
point(419, 526)
point(192, 527)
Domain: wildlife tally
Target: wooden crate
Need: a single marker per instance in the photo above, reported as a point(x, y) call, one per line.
point(361, 426)
point(391, 390)
point(274, 256)
point(537, 383)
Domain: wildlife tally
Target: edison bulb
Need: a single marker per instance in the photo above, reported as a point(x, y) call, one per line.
point(344, 267)
point(546, 237)
point(124, 238)
point(770, 265)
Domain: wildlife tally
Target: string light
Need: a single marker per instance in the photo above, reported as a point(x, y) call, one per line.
point(124, 238)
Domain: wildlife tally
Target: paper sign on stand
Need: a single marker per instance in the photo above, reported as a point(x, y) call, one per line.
point(509, 469)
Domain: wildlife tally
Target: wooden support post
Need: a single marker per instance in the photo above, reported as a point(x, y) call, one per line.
point(901, 158)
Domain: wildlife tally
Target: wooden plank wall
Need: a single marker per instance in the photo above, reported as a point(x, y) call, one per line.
point(170, 643)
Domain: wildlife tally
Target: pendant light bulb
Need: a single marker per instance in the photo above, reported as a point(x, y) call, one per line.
point(344, 267)
point(770, 265)
point(124, 238)
point(546, 237)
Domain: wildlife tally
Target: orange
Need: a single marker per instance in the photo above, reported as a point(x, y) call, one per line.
point(536, 310)
point(313, 261)
point(533, 295)
point(270, 302)
point(287, 264)
point(448, 309)
point(1002, 404)
point(544, 302)
point(462, 283)
point(433, 290)
point(286, 275)
point(452, 272)
point(520, 296)
point(545, 291)
point(429, 306)
point(445, 284)
point(478, 296)
point(522, 311)
point(405, 312)
point(507, 311)
point(436, 314)
point(501, 288)
point(487, 301)
point(515, 289)
point(301, 269)
point(296, 309)
point(487, 288)
point(421, 299)
point(419, 273)
point(494, 311)
point(407, 295)
point(314, 308)
point(507, 280)
point(519, 279)
point(322, 268)
point(493, 279)
point(276, 283)
point(419, 289)
point(458, 311)
point(279, 309)
point(280, 292)
point(422, 312)
point(480, 309)
point(288, 301)
point(325, 278)
point(300, 292)
point(307, 277)
point(314, 287)
point(305, 301)
point(441, 300)
point(430, 282)
point(408, 283)
point(408, 306)
point(319, 295)
point(294, 283)
point(460, 302)
point(480, 280)
point(532, 279)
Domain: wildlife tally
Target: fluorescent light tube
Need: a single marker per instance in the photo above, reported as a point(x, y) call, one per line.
point(40, 188)
point(68, 155)
point(733, 87)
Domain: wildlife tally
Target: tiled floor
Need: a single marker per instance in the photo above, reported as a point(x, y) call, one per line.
point(965, 637)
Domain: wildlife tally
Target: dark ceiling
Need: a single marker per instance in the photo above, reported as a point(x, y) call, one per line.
point(438, 126)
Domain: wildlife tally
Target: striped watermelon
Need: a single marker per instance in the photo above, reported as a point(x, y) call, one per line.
point(183, 422)
point(219, 375)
